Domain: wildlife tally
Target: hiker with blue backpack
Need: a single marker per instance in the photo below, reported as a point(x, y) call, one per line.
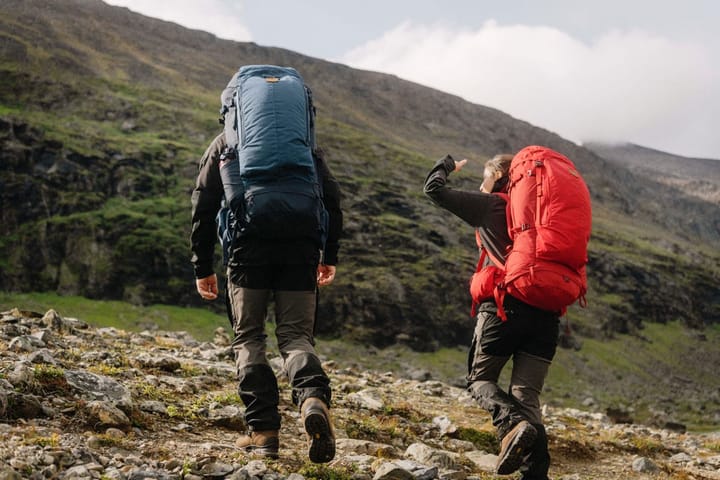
point(279, 207)
point(518, 293)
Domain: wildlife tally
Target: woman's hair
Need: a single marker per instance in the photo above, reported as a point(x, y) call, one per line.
point(499, 163)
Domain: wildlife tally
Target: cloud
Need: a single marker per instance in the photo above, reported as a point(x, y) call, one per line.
point(223, 18)
point(625, 86)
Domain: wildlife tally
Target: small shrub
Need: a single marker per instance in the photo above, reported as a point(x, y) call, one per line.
point(187, 370)
point(382, 429)
point(713, 446)
point(229, 398)
point(187, 413)
point(106, 440)
point(51, 441)
point(482, 439)
point(71, 354)
point(173, 411)
point(47, 379)
point(405, 410)
point(106, 370)
point(647, 446)
point(361, 429)
point(572, 449)
point(325, 472)
point(152, 392)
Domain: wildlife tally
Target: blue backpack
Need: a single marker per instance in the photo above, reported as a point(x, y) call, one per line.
point(270, 179)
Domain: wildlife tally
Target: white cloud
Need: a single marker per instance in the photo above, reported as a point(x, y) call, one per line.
point(624, 86)
point(223, 18)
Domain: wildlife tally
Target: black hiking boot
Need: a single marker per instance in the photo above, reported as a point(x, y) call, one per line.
point(321, 439)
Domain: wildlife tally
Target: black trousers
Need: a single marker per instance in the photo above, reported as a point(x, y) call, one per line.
point(529, 337)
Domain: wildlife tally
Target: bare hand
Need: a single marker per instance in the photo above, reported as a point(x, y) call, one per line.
point(325, 275)
point(207, 287)
point(459, 165)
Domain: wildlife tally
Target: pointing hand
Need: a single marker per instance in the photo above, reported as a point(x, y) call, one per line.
point(459, 165)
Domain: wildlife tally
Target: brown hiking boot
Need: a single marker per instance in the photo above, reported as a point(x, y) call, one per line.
point(514, 446)
point(321, 439)
point(261, 444)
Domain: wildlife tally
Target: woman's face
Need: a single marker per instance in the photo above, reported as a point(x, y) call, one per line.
point(489, 179)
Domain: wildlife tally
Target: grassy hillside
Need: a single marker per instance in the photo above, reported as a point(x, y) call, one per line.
point(101, 125)
point(198, 322)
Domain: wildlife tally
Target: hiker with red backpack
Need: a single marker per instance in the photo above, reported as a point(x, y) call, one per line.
point(265, 190)
point(521, 287)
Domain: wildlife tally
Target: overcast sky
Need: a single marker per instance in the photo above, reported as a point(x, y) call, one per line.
point(641, 71)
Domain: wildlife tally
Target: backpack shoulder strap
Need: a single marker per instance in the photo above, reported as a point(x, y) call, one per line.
point(508, 211)
point(500, 289)
point(498, 262)
point(481, 261)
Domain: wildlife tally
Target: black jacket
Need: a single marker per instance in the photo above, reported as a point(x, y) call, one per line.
point(485, 212)
point(206, 201)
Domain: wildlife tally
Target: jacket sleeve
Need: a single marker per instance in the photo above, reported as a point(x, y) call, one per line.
point(206, 200)
point(331, 198)
point(472, 207)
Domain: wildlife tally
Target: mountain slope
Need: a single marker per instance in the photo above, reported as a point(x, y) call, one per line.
point(106, 112)
point(697, 177)
point(685, 191)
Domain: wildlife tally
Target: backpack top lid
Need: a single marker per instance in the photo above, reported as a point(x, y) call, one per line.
point(226, 97)
point(269, 118)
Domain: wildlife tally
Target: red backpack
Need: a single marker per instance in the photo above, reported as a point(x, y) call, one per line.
point(549, 221)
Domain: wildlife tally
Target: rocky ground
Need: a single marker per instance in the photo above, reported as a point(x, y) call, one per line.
point(78, 402)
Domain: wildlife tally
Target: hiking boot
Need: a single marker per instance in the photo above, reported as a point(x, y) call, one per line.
point(514, 446)
point(261, 444)
point(321, 439)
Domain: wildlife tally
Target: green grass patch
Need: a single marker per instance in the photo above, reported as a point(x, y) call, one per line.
point(482, 439)
point(407, 411)
point(48, 379)
point(326, 472)
point(52, 441)
point(200, 323)
point(96, 114)
point(713, 446)
point(642, 371)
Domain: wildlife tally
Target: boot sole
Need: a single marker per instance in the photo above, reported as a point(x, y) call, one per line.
point(519, 446)
point(322, 442)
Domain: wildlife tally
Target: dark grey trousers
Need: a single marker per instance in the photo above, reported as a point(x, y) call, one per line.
point(295, 319)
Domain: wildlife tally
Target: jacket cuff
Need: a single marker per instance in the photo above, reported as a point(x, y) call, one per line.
point(449, 164)
point(203, 270)
point(330, 255)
